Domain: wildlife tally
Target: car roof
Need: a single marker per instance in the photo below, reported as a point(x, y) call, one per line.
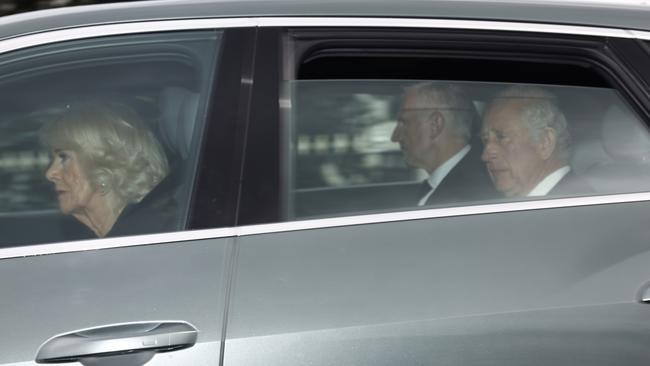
point(633, 15)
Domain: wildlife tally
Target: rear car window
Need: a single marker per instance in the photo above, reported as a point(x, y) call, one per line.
point(350, 150)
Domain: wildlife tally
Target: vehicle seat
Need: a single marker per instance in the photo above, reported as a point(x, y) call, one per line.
point(626, 142)
point(178, 111)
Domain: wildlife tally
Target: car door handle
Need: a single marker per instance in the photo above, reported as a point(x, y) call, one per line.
point(643, 295)
point(128, 344)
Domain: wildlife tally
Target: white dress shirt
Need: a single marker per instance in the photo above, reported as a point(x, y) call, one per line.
point(542, 188)
point(441, 172)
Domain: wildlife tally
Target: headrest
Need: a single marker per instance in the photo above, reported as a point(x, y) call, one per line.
point(178, 110)
point(624, 135)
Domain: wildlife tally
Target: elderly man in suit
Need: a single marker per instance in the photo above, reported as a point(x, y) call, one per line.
point(433, 130)
point(527, 145)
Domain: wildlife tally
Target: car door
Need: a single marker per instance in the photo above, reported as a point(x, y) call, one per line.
point(156, 298)
point(342, 272)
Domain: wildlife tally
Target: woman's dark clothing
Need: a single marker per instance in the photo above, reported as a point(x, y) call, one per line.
point(156, 213)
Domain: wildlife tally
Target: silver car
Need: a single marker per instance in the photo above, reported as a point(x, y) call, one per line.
point(294, 233)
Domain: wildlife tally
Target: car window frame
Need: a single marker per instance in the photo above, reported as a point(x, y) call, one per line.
point(269, 24)
point(605, 58)
point(234, 31)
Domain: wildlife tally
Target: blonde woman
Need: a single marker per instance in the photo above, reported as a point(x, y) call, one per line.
point(104, 162)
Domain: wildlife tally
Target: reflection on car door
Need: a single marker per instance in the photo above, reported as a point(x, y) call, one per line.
point(536, 287)
point(45, 296)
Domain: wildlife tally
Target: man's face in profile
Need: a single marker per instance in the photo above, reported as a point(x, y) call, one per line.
point(512, 158)
point(413, 132)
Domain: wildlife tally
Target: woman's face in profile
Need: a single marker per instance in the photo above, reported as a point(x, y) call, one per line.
point(73, 188)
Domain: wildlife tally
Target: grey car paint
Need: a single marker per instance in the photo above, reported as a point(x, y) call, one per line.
point(483, 289)
point(556, 286)
point(43, 296)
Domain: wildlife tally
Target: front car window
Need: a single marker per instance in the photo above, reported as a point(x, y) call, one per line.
point(85, 97)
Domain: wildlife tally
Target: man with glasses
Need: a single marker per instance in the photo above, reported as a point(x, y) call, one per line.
point(434, 132)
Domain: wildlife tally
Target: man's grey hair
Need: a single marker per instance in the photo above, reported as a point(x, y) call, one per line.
point(539, 112)
point(451, 101)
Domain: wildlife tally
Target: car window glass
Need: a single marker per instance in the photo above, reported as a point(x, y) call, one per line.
point(360, 146)
point(151, 88)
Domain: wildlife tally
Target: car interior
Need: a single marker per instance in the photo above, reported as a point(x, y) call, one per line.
point(609, 140)
point(160, 81)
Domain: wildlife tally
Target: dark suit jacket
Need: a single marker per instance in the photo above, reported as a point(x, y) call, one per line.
point(571, 185)
point(468, 181)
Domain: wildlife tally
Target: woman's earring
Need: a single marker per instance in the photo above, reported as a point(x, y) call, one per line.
point(103, 188)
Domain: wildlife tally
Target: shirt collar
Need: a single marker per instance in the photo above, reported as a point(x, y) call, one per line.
point(542, 188)
point(441, 172)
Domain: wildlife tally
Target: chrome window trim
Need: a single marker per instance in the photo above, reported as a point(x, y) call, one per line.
point(640, 35)
point(441, 23)
point(289, 226)
point(90, 31)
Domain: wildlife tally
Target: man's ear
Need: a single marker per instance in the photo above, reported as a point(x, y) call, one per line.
point(436, 123)
point(547, 143)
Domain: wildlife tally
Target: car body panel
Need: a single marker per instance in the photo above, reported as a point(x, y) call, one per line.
point(353, 294)
point(534, 282)
point(182, 281)
point(589, 336)
point(551, 12)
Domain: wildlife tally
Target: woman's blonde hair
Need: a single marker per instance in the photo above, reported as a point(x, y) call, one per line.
point(118, 152)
